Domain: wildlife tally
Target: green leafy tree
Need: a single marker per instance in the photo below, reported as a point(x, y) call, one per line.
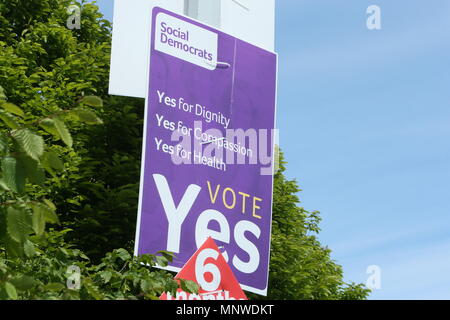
point(51, 80)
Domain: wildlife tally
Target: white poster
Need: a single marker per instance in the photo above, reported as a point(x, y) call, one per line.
point(250, 20)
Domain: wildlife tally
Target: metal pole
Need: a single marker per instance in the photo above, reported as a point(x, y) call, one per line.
point(207, 11)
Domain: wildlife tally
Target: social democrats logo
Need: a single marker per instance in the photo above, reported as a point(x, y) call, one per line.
point(186, 41)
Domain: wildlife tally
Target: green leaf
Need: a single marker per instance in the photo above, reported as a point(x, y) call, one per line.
point(63, 132)
point(49, 126)
point(83, 256)
point(4, 186)
point(43, 212)
point(50, 215)
point(146, 285)
point(17, 224)
point(189, 286)
point(33, 170)
point(49, 204)
point(86, 116)
point(11, 291)
point(38, 220)
point(29, 249)
point(166, 254)
point(92, 289)
point(92, 101)
point(3, 143)
point(161, 261)
point(31, 143)
point(54, 286)
point(106, 276)
point(14, 248)
point(123, 254)
point(13, 174)
point(147, 259)
point(24, 283)
point(12, 108)
point(51, 159)
point(9, 119)
point(2, 93)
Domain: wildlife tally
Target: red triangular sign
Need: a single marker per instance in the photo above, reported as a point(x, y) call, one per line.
point(208, 268)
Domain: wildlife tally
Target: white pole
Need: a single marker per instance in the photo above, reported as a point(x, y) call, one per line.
point(207, 11)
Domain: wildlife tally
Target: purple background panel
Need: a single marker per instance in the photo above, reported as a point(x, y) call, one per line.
point(246, 93)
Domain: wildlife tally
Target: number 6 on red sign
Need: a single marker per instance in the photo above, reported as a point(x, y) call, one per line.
point(210, 270)
point(201, 268)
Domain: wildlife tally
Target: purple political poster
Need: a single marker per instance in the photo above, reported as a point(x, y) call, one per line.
point(207, 167)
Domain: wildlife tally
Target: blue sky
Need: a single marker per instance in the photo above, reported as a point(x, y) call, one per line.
point(364, 119)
